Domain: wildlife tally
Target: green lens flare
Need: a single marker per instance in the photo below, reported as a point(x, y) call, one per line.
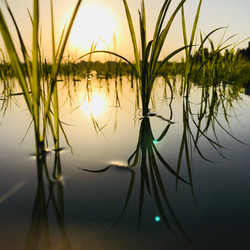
point(157, 218)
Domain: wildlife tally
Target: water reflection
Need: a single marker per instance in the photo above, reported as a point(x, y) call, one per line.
point(200, 123)
point(7, 96)
point(147, 162)
point(49, 194)
point(204, 121)
point(94, 105)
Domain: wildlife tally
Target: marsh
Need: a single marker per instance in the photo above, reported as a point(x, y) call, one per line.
point(108, 187)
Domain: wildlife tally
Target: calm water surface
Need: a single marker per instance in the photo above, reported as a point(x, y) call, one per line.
point(127, 182)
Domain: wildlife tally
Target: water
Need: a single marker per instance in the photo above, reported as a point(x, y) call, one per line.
point(102, 203)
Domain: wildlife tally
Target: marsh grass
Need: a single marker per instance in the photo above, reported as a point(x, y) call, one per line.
point(209, 67)
point(146, 58)
point(191, 51)
point(146, 63)
point(41, 103)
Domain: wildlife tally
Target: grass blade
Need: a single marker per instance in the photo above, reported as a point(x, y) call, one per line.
point(133, 37)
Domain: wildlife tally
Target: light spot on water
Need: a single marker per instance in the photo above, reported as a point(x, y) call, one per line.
point(157, 218)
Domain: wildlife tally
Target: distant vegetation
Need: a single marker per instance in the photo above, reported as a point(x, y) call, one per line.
point(233, 68)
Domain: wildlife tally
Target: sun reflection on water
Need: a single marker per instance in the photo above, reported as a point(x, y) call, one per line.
point(94, 106)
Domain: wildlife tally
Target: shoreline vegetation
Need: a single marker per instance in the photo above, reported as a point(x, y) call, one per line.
point(234, 69)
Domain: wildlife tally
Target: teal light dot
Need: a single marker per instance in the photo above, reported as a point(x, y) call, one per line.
point(155, 141)
point(157, 218)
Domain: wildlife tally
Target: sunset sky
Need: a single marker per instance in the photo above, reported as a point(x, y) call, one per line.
point(98, 20)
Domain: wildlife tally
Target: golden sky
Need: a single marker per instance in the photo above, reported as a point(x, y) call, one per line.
point(99, 20)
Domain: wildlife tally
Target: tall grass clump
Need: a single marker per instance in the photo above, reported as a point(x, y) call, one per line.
point(224, 69)
point(41, 103)
point(191, 51)
point(146, 57)
point(209, 68)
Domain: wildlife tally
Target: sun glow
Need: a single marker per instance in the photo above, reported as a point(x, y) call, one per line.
point(94, 23)
point(94, 105)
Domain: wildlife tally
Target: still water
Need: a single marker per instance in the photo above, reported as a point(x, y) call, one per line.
point(127, 183)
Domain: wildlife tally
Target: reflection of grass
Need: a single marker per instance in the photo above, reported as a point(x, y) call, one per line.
point(215, 104)
point(8, 96)
point(39, 233)
point(147, 158)
point(42, 103)
point(147, 161)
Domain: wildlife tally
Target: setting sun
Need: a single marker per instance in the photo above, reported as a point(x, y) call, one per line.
point(94, 23)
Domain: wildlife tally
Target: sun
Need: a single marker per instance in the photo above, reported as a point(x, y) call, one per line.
point(94, 23)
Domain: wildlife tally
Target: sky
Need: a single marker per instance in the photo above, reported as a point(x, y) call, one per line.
point(102, 20)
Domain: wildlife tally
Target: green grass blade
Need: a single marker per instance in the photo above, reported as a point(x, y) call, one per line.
point(23, 48)
point(111, 53)
point(56, 66)
point(15, 62)
point(52, 33)
point(160, 20)
point(133, 37)
point(142, 16)
point(184, 31)
point(35, 70)
point(55, 92)
point(161, 63)
point(195, 24)
point(157, 47)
